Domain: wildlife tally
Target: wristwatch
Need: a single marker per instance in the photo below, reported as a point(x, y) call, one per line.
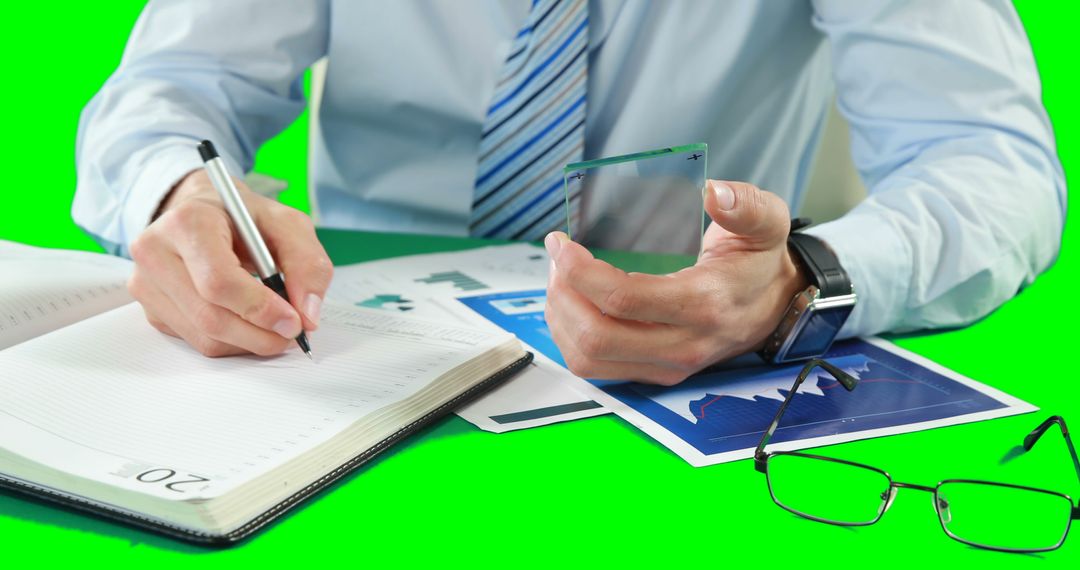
point(815, 315)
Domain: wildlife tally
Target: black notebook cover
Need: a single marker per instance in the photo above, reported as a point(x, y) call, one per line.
point(274, 513)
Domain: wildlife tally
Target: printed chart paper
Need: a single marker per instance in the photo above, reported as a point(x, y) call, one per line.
point(719, 416)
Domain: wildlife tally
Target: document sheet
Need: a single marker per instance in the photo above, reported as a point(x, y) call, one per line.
point(719, 416)
point(428, 286)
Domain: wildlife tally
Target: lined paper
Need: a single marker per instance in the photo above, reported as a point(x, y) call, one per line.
point(113, 400)
point(42, 289)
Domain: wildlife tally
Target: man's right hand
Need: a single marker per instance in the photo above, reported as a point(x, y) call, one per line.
point(193, 277)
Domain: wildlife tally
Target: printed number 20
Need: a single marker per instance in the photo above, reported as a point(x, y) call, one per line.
point(161, 475)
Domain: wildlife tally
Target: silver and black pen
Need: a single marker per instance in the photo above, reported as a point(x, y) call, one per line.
point(245, 226)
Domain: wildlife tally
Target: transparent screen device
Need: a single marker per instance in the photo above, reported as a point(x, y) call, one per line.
point(647, 202)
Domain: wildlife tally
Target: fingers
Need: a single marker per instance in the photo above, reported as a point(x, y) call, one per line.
point(291, 236)
point(611, 324)
point(602, 337)
point(192, 283)
point(213, 271)
point(164, 286)
point(160, 310)
point(753, 214)
point(585, 367)
point(601, 346)
point(636, 296)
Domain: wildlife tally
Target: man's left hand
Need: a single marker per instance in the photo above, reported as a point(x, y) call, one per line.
point(610, 324)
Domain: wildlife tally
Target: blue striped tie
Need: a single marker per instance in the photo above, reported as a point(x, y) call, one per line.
point(534, 126)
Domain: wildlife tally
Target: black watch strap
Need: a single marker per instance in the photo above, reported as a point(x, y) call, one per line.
point(821, 264)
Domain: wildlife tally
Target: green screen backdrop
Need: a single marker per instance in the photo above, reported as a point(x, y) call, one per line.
point(59, 54)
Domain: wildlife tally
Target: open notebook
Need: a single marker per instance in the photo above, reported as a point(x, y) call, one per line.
point(109, 415)
point(44, 289)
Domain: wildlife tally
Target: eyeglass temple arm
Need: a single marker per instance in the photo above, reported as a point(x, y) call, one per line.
point(1034, 436)
point(846, 380)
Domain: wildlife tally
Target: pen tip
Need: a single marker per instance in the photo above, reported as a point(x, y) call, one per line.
point(308, 353)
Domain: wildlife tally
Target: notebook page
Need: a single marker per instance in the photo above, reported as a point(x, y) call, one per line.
point(42, 289)
point(113, 400)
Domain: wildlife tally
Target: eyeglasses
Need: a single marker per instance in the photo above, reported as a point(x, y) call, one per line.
point(983, 514)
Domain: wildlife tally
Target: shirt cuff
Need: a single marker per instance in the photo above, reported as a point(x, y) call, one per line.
point(877, 261)
point(156, 178)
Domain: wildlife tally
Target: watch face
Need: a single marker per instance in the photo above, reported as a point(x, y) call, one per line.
point(817, 334)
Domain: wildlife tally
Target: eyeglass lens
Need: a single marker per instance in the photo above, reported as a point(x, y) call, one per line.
point(1002, 516)
point(829, 491)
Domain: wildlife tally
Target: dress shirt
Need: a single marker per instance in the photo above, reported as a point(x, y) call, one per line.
point(966, 194)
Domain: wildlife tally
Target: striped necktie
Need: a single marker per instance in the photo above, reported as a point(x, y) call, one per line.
point(534, 126)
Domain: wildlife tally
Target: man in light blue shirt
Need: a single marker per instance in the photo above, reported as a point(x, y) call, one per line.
point(966, 195)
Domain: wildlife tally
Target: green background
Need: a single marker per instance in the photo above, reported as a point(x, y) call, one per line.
point(589, 492)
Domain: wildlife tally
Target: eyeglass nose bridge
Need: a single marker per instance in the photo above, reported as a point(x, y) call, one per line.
point(890, 495)
point(902, 485)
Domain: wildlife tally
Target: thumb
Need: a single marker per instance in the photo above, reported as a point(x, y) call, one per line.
point(746, 210)
point(562, 249)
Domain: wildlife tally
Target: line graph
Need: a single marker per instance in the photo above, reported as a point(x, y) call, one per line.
point(728, 410)
point(701, 409)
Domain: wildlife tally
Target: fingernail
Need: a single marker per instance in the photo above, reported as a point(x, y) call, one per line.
point(725, 196)
point(313, 307)
point(553, 244)
point(287, 328)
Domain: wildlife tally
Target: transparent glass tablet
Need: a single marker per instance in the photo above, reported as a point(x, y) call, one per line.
point(647, 202)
